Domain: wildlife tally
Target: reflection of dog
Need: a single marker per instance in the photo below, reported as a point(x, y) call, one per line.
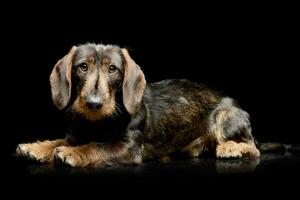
point(118, 119)
point(232, 166)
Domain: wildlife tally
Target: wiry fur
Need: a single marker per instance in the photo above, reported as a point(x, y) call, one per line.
point(138, 121)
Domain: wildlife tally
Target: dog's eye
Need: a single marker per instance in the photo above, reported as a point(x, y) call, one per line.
point(112, 69)
point(83, 67)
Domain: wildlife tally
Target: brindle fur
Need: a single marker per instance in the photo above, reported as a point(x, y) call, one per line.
point(137, 121)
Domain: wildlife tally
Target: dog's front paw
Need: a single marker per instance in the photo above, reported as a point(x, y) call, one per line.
point(34, 151)
point(69, 156)
point(23, 150)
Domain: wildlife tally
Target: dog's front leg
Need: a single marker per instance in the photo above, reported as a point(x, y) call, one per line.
point(127, 151)
point(98, 155)
point(40, 151)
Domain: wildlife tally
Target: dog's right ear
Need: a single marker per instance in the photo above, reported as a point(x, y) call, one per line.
point(60, 80)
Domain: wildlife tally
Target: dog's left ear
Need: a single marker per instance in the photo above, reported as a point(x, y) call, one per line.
point(134, 84)
point(60, 80)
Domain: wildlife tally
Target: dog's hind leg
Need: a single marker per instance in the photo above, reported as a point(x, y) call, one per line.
point(231, 128)
point(40, 151)
point(199, 146)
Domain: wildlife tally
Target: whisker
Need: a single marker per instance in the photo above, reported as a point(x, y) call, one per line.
point(118, 110)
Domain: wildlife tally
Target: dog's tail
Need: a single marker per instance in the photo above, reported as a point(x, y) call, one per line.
point(270, 147)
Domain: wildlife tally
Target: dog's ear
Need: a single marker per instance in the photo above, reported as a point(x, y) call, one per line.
point(134, 84)
point(60, 80)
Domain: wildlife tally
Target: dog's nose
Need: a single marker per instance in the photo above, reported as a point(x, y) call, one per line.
point(94, 103)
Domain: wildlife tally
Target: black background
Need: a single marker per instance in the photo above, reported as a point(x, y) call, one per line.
point(248, 52)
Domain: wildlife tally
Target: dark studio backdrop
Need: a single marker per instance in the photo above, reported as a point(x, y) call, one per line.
point(248, 54)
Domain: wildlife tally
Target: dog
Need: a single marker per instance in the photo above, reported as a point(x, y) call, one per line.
point(119, 119)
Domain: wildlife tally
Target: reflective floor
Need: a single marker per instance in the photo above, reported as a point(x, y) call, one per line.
point(272, 175)
point(279, 164)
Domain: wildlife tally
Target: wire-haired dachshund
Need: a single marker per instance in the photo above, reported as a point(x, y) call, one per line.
point(119, 119)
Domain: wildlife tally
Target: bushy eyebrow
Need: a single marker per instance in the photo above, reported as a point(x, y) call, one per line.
point(79, 61)
point(113, 56)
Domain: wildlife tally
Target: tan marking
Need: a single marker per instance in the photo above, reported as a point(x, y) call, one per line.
point(231, 149)
point(91, 59)
point(195, 148)
point(249, 149)
point(93, 155)
point(80, 156)
point(108, 108)
point(40, 151)
point(105, 61)
point(199, 146)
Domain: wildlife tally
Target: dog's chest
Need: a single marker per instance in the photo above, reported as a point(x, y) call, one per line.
point(109, 130)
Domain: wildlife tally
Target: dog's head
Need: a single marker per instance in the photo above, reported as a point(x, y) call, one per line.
point(93, 74)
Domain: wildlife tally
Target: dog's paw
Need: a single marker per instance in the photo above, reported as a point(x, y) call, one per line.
point(22, 150)
point(232, 149)
point(34, 151)
point(228, 150)
point(249, 150)
point(69, 156)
